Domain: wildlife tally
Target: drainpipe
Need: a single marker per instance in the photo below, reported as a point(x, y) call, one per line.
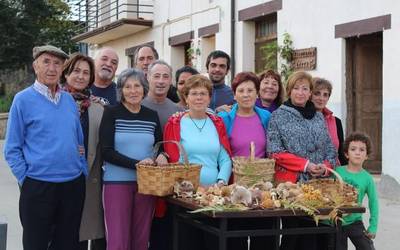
point(233, 39)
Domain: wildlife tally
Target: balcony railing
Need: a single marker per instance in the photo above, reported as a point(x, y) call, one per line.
point(93, 14)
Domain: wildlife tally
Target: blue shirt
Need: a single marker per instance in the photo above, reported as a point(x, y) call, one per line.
point(43, 138)
point(204, 148)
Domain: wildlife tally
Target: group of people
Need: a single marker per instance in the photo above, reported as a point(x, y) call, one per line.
point(74, 138)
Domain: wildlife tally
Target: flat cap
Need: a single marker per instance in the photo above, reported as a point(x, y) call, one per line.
point(50, 49)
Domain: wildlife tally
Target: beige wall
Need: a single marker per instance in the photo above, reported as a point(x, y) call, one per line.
point(313, 26)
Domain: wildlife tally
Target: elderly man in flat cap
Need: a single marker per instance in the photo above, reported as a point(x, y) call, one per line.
point(43, 148)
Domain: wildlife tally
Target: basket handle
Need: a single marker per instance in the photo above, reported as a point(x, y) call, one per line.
point(338, 177)
point(252, 151)
point(181, 150)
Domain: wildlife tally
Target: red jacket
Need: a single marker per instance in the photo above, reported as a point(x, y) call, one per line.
point(172, 131)
point(288, 166)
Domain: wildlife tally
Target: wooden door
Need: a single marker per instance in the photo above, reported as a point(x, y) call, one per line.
point(364, 92)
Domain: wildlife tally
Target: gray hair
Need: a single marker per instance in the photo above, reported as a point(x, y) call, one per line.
point(161, 62)
point(99, 52)
point(135, 74)
point(136, 53)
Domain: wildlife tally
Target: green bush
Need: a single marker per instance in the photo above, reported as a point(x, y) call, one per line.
point(5, 103)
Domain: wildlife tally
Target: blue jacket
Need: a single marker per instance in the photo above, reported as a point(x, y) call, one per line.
point(229, 118)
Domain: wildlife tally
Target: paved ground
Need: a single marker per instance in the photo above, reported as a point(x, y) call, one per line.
point(9, 194)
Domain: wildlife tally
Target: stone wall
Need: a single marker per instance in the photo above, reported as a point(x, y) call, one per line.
point(3, 124)
point(12, 81)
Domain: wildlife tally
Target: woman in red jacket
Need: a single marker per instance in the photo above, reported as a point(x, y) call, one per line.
point(202, 135)
point(320, 97)
point(204, 138)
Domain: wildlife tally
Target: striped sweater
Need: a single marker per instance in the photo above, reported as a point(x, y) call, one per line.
point(126, 138)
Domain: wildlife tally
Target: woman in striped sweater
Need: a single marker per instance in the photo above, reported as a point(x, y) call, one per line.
point(128, 133)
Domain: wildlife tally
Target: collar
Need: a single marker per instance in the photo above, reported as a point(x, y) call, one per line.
point(306, 112)
point(271, 108)
point(219, 85)
point(46, 92)
point(152, 100)
point(326, 112)
point(261, 113)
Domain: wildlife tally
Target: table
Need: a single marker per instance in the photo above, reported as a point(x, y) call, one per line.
point(216, 223)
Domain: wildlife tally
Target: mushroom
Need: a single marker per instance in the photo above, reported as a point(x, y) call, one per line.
point(240, 195)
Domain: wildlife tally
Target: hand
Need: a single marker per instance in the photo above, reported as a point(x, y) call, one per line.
point(311, 167)
point(315, 170)
point(370, 235)
point(226, 108)
point(81, 150)
point(221, 183)
point(147, 161)
point(324, 170)
point(161, 160)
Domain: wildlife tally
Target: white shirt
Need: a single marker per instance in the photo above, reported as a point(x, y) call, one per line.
point(46, 92)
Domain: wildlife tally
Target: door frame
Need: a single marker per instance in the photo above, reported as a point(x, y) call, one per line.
point(351, 95)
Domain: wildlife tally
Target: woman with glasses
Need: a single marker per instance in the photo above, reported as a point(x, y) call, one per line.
point(202, 135)
point(204, 138)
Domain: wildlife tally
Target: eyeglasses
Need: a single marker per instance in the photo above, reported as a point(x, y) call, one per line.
point(201, 94)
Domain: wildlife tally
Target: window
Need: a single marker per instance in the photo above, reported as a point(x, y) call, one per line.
point(266, 43)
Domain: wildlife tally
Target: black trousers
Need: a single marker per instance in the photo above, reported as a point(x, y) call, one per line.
point(298, 242)
point(51, 213)
point(161, 231)
point(97, 244)
point(357, 236)
point(256, 243)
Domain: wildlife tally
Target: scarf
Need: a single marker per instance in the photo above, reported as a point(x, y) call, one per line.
point(307, 112)
point(82, 98)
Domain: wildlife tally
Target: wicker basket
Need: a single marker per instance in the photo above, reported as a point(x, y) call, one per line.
point(249, 171)
point(159, 180)
point(336, 187)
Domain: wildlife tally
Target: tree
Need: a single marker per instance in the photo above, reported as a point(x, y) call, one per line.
point(28, 23)
point(8, 31)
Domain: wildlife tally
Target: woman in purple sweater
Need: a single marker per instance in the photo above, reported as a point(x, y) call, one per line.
point(246, 123)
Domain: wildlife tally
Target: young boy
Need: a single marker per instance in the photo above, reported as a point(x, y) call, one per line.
point(357, 147)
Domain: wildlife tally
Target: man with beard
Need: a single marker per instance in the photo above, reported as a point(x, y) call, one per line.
point(218, 64)
point(106, 64)
point(146, 55)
